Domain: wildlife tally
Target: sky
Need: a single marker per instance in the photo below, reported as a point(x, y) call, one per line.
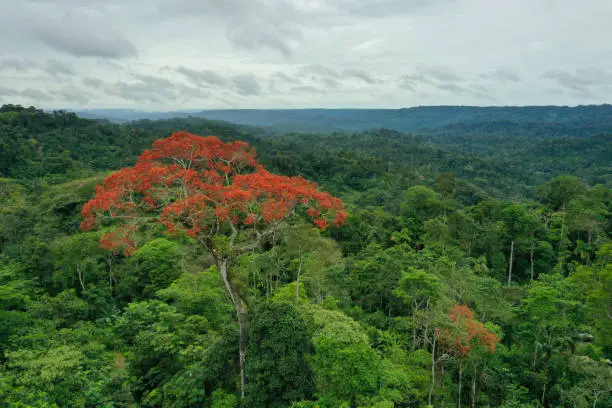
point(167, 55)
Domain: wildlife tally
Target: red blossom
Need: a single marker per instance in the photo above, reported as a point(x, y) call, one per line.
point(466, 332)
point(193, 184)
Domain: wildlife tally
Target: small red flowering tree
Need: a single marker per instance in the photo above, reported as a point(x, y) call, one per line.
point(215, 192)
point(464, 336)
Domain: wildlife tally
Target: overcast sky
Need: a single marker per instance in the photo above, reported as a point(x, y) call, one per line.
point(199, 54)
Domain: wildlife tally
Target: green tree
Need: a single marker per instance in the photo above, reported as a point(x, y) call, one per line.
point(153, 267)
point(347, 368)
point(419, 290)
point(519, 224)
point(279, 346)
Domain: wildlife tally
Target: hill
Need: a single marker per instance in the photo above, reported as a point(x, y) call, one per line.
point(60, 145)
point(403, 120)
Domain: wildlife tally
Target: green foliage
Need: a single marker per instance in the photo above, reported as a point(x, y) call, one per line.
point(279, 345)
point(222, 400)
point(559, 191)
point(287, 293)
point(200, 293)
point(163, 343)
point(69, 367)
point(153, 267)
point(346, 366)
point(350, 317)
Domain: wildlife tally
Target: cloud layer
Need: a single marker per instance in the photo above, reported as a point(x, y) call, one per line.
point(189, 54)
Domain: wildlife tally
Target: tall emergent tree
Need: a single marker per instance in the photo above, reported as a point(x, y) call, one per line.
point(215, 192)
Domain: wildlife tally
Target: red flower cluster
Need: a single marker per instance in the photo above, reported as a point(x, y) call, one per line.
point(467, 332)
point(193, 183)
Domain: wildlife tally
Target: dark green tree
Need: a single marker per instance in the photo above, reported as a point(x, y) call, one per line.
point(277, 369)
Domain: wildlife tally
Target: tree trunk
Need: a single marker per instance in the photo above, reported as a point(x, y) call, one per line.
point(297, 282)
point(474, 388)
point(109, 263)
point(414, 326)
point(589, 240)
point(545, 381)
point(81, 276)
point(510, 263)
point(531, 256)
point(595, 400)
point(426, 328)
point(561, 239)
point(459, 385)
point(433, 370)
point(444, 237)
point(243, 320)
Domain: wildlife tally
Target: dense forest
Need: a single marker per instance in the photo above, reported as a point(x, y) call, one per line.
point(473, 266)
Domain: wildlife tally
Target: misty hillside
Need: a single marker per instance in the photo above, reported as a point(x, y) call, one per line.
point(404, 120)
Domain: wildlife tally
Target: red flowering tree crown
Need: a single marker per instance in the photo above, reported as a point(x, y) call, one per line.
point(206, 188)
point(466, 333)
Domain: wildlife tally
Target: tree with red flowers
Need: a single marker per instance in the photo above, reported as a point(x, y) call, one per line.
point(465, 335)
point(215, 192)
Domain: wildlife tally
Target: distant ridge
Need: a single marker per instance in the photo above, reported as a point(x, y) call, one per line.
point(404, 119)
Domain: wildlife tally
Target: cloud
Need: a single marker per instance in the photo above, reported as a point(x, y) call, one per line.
point(387, 8)
point(93, 82)
point(308, 90)
point(246, 84)
point(444, 80)
point(503, 75)
point(407, 82)
point(250, 24)
point(137, 92)
point(81, 36)
point(36, 95)
point(452, 88)
point(8, 91)
point(17, 64)
point(286, 78)
point(256, 34)
point(151, 89)
point(330, 82)
point(319, 70)
point(320, 75)
point(190, 93)
point(569, 81)
point(584, 82)
point(58, 68)
point(72, 95)
point(145, 88)
point(204, 76)
point(437, 76)
point(474, 90)
point(178, 54)
point(439, 73)
point(360, 74)
point(595, 75)
point(281, 25)
point(481, 92)
point(154, 81)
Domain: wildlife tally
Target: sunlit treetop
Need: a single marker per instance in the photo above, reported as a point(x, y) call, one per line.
point(206, 188)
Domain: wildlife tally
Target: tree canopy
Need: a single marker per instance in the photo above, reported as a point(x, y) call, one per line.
point(144, 266)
